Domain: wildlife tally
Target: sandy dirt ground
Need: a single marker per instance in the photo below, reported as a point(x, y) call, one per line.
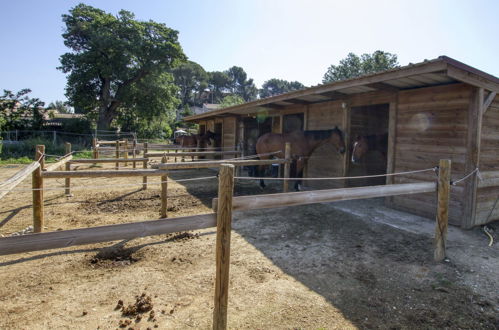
point(323, 266)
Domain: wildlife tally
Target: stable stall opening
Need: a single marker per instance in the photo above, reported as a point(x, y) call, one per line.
point(254, 127)
point(371, 123)
point(293, 122)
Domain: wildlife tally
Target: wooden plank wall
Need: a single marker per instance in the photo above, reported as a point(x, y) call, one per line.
point(489, 161)
point(229, 135)
point(431, 125)
point(325, 161)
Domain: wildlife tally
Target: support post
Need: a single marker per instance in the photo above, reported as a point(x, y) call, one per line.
point(224, 224)
point(287, 167)
point(117, 153)
point(94, 149)
point(67, 183)
point(134, 152)
point(126, 152)
point(37, 184)
point(144, 165)
point(164, 191)
point(443, 191)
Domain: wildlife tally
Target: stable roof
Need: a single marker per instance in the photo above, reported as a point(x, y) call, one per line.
point(440, 71)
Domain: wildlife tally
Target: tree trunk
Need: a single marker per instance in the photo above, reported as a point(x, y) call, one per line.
point(104, 120)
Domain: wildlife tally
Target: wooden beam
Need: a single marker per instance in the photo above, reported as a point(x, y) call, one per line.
point(334, 95)
point(224, 227)
point(59, 163)
point(297, 101)
point(189, 154)
point(488, 101)
point(67, 238)
point(105, 160)
point(330, 195)
point(99, 174)
point(442, 221)
point(383, 87)
point(218, 163)
point(472, 79)
point(475, 116)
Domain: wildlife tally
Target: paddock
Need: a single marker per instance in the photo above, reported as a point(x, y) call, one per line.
point(306, 265)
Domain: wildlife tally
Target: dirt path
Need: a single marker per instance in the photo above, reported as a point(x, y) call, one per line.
point(308, 267)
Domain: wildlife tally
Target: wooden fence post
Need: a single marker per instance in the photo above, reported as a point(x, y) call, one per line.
point(144, 165)
point(126, 152)
point(287, 167)
point(95, 150)
point(443, 191)
point(224, 224)
point(164, 191)
point(37, 184)
point(134, 152)
point(117, 153)
point(67, 167)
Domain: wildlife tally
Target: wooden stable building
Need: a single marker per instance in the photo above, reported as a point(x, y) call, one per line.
point(432, 110)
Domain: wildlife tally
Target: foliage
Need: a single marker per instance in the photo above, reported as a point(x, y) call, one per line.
point(218, 83)
point(76, 125)
point(239, 84)
point(278, 86)
point(19, 111)
point(26, 148)
point(118, 64)
point(231, 100)
point(354, 66)
point(192, 80)
point(60, 106)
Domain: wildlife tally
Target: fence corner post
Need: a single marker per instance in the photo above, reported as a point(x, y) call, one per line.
point(224, 226)
point(164, 191)
point(37, 184)
point(443, 192)
point(287, 166)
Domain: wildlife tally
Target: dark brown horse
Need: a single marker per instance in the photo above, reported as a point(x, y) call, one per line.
point(363, 144)
point(195, 140)
point(303, 144)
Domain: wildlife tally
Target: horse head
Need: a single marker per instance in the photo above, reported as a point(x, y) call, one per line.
point(337, 140)
point(360, 148)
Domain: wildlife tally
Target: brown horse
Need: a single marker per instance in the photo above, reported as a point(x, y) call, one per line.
point(365, 143)
point(195, 140)
point(303, 144)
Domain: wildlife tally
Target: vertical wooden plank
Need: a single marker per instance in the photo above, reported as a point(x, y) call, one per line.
point(117, 153)
point(224, 224)
point(442, 220)
point(164, 191)
point(37, 184)
point(144, 165)
point(126, 151)
point(346, 132)
point(392, 138)
point(67, 181)
point(134, 152)
point(287, 167)
point(475, 115)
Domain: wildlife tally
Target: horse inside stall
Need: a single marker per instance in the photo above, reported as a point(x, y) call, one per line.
point(303, 144)
point(365, 143)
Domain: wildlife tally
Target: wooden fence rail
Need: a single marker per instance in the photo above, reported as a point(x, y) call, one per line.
point(73, 237)
point(189, 154)
point(105, 173)
point(329, 195)
point(218, 163)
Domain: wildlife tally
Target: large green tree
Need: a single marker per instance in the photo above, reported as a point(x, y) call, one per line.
point(239, 84)
point(113, 59)
point(354, 66)
point(276, 86)
point(192, 80)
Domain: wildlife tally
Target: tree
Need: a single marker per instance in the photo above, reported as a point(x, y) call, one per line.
point(218, 83)
point(192, 80)
point(231, 100)
point(111, 56)
point(239, 84)
point(278, 86)
point(354, 66)
point(19, 111)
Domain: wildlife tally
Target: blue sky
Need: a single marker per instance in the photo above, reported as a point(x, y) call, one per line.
point(286, 39)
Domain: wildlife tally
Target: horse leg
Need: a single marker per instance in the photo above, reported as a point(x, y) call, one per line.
point(261, 170)
point(299, 173)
